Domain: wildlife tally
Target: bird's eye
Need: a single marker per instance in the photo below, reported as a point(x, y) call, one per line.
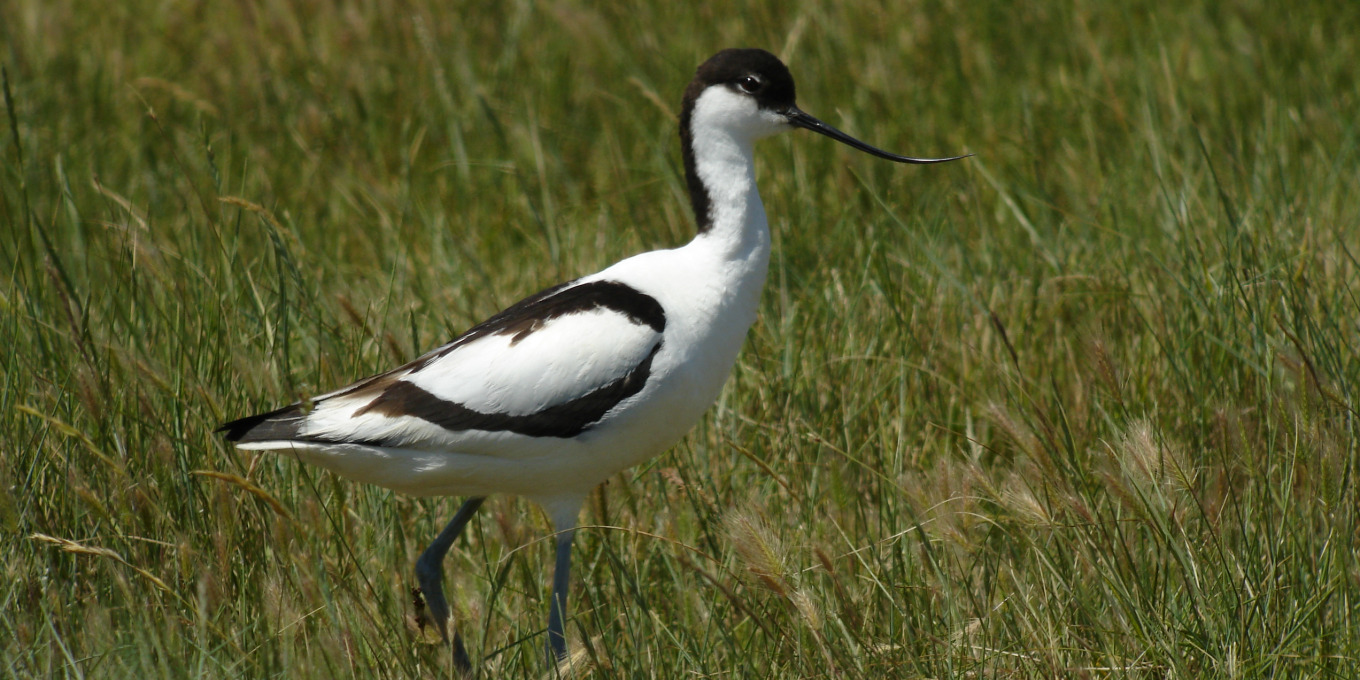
point(749, 84)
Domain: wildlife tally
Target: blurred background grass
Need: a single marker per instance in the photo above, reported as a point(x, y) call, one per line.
point(1082, 405)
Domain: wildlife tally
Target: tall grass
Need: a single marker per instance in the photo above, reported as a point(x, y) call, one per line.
point(1083, 405)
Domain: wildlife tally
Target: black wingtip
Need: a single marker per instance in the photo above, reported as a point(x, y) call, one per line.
point(275, 425)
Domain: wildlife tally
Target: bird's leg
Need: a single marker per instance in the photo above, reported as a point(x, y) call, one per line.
point(430, 575)
point(557, 610)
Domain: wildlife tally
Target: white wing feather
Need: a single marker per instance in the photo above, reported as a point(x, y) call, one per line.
point(566, 358)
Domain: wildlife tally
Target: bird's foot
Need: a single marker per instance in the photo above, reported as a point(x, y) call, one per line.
point(433, 610)
point(424, 618)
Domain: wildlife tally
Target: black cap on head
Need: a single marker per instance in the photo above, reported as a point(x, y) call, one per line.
point(752, 71)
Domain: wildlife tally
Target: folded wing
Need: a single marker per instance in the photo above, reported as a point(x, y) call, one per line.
point(553, 365)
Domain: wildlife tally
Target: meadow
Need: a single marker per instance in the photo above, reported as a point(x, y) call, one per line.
point(1083, 405)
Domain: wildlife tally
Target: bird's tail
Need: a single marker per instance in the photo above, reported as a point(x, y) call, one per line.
point(279, 425)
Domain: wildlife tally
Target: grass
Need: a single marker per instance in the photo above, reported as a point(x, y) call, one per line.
point(1083, 405)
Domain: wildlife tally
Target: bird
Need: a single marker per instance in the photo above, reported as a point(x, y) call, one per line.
point(573, 384)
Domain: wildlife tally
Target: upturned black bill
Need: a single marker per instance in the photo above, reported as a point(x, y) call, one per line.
point(798, 118)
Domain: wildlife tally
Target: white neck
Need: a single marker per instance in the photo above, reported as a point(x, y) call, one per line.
point(728, 260)
point(722, 135)
point(739, 228)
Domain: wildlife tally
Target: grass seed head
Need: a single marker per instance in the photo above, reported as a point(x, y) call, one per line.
point(807, 608)
point(760, 550)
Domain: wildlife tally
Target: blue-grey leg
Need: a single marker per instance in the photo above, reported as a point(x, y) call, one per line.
point(430, 575)
point(557, 610)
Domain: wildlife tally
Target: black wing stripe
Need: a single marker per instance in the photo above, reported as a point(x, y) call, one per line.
point(564, 420)
point(533, 313)
point(529, 315)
